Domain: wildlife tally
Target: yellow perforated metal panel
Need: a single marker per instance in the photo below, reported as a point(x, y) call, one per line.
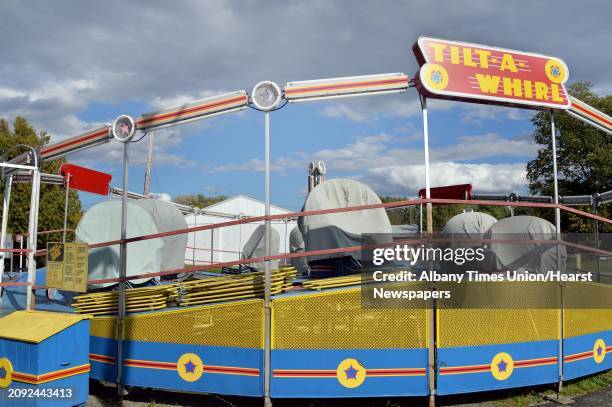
point(472, 327)
point(104, 327)
point(582, 321)
point(497, 316)
point(336, 320)
point(237, 324)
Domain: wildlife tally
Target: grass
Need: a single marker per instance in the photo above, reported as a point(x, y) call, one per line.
point(508, 398)
point(533, 396)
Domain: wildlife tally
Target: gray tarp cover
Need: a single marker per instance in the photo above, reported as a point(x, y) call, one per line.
point(531, 257)
point(469, 225)
point(255, 247)
point(102, 223)
point(342, 229)
point(296, 245)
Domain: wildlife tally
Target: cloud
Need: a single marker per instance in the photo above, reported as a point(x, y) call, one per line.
point(165, 141)
point(366, 151)
point(408, 179)
point(476, 114)
point(365, 109)
point(399, 171)
point(115, 51)
point(162, 196)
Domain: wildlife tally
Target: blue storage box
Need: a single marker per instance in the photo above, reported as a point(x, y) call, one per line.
point(44, 359)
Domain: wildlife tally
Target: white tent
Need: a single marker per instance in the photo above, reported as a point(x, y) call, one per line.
point(227, 243)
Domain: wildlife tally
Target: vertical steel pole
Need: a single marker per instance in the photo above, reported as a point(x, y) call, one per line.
point(21, 254)
point(66, 208)
point(195, 223)
point(122, 272)
point(268, 319)
point(33, 237)
point(8, 184)
point(420, 220)
point(558, 230)
point(555, 180)
point(212, 246)
point(427, 179)
point(431, 345)
point(596, 226)
point(148, 166)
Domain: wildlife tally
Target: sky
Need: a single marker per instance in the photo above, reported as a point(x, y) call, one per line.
point(70, 66)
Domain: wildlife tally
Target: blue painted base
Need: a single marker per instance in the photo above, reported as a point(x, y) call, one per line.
point(320, 373)
point(232, 371)
point(470, 369)
point(580, 352)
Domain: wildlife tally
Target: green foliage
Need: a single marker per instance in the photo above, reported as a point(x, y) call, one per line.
point(401, 216)
point(584, 156)
point(441, 213)
point(199, 200)
point(52, 197)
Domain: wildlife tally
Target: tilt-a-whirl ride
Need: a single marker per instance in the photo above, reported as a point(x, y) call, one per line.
point(294, 325)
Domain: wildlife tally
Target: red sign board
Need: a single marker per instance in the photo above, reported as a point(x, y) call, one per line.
point(461, 191)
point(85, 179)
point(482, 74)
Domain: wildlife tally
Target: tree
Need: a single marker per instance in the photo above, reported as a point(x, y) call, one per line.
point(441, 213)
point(52, 197)
point(584, 158)
point(199, 200)
point(401, 216)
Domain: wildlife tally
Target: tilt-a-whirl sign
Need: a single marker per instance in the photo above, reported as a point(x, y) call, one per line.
point(482, 74)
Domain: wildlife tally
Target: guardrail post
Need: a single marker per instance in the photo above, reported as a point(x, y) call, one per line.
point(122, 272)
point(8, 183)
point(33, 237)
point(268, 271)
point(553, 134)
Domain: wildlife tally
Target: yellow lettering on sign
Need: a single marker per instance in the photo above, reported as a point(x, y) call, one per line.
point(488, 83)
point(507, 63)
point(483, 57)
point(467, 57)
point(513, 87)
point(554, 90)
point(438, 51)
point(454, 55)
point(541, 91)
point(528, 91)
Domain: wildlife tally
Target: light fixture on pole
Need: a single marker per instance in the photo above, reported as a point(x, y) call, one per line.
point(123, 129)
point(266, 96)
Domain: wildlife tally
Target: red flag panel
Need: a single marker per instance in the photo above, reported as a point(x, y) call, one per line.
point(85, 179)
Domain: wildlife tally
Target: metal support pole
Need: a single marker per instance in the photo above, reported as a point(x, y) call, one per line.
point(122, 272)
point(555, 180)
point(421, 220)
point(32, 238)
point(66, 209)
point(268, 271)
point(148, 166)
point(195, 224)
point(427, 180)
point(596, 226)
point(21, 254)
point(558, 233)
point(5, 213)
point(212, 246)
point(431, 340)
